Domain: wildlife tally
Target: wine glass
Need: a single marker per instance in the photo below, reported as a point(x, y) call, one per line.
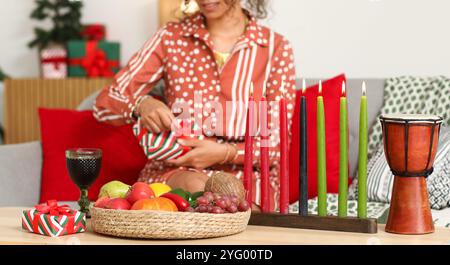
point(83, 165)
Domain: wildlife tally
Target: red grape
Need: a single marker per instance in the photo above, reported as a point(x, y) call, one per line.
point(217, 196)
point(202, 200)
point(209, 208)
point(243, 206)
point(234, 200)
point(217, 210)
point(209, 196)
point(221, 203)
point(227, 201)
point(232, 208)
point(202, 209)
point(190, 210)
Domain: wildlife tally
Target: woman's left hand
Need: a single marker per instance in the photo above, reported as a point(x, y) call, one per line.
point(204, 153)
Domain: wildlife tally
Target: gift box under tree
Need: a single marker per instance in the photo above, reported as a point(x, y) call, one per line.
point(93, 58)
point(53, 220)
point(54, 61)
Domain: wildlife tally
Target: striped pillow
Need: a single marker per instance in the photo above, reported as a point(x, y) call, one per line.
point(380, 178)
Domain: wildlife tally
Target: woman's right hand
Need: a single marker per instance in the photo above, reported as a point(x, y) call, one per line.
point(155, 116)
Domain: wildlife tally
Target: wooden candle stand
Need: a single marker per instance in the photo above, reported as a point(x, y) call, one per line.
point(315, 222)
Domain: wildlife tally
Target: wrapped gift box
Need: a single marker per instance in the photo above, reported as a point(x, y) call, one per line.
point(93, 58)
point(96, 32)
point(53, 220)
point(164, 146)
point(54, 62)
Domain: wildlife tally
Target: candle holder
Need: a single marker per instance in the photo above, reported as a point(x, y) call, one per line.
point(315, 222)
point(322, 221)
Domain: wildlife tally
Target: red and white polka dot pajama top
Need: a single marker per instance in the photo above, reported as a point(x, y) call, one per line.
point(183, 55)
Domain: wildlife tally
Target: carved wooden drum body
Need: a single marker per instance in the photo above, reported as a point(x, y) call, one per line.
point(410, 145)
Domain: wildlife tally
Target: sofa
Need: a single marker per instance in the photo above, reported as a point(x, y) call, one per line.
point(20, 164)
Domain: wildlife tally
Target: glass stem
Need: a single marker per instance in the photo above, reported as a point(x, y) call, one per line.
point(84, 201)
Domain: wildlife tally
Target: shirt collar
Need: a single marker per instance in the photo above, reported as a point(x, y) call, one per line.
point(195, 26)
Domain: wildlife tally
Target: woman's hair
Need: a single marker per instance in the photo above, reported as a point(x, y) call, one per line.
point(257, 7)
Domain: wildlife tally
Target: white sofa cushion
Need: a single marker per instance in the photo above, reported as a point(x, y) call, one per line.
point(20, 176)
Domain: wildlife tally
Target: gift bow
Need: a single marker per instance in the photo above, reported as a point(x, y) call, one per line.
point(53, 208)
point(95, 62)
point(94, 32)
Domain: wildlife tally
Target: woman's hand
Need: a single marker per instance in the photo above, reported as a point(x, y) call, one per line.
point(155, 116)
point(205, 153)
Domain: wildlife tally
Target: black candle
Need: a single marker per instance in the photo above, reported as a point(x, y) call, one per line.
point(303, 197)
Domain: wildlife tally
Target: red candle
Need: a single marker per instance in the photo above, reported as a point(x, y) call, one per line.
point(248, 160)
point(284, 156)
point(264, 149)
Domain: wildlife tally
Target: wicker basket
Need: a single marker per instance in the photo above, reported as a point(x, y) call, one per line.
point(167, 225)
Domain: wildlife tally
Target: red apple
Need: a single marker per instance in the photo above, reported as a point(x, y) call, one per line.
point(118, 204)
point(102, 201)
point(139, 191)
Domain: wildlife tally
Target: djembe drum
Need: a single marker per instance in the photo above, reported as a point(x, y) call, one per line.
point(410, 145)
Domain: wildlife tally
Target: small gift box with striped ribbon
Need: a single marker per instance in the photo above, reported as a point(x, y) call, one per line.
point(53, 220)
point(164, 146)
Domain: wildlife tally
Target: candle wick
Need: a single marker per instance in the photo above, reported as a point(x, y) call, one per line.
point(364, 88)
point(304, 86)
point(320, 88)
point(344, 88)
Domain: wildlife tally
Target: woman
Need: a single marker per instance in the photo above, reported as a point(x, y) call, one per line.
point(217, 54)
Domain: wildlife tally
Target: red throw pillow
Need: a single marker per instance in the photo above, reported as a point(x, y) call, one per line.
point(63, 129)
point(332, 90)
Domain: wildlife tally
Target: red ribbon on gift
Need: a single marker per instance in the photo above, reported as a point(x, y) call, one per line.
point(94, 32)
point(53, 209)
point(56, 61)
point(95, 62)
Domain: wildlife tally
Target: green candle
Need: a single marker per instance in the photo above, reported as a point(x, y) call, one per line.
point(343, 156)
point(362, 161)
point(321, 156)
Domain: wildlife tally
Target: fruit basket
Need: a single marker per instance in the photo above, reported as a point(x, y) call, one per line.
point(167, 225)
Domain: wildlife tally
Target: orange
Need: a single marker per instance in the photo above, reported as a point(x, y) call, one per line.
point(158, 204)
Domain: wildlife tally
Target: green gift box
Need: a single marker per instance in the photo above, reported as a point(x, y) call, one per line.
point(93, 58)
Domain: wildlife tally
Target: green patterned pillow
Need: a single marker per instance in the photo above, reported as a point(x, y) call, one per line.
point(408, 95)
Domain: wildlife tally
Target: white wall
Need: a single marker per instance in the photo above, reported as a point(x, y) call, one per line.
point(366, 38)
point(363, 38)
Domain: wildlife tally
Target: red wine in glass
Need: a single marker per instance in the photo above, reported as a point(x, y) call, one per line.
point(83, 165)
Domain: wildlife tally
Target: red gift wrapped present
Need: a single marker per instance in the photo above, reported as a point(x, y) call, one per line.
point(96, 32)
point(53, 220)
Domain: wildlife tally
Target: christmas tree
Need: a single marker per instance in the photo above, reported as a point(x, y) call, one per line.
point(65, 16)
point(2, 75)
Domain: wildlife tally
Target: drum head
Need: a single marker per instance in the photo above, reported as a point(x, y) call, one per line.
point(411, 118)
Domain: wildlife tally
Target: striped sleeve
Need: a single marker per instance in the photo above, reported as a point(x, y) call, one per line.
point(282, 70)
point(116, 101)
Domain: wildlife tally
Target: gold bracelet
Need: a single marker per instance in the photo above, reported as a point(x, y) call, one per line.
point(227, 155)
point(237, 152)
point(138, 103)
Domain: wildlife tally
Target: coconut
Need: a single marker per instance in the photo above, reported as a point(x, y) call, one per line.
point(225, 184)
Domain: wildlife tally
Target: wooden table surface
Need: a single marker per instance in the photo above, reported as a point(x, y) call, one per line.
point(11, 233)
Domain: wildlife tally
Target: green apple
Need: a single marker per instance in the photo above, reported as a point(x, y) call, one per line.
point(114, 189)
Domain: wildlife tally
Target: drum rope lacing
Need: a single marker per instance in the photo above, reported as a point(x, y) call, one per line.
point(426, 172)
